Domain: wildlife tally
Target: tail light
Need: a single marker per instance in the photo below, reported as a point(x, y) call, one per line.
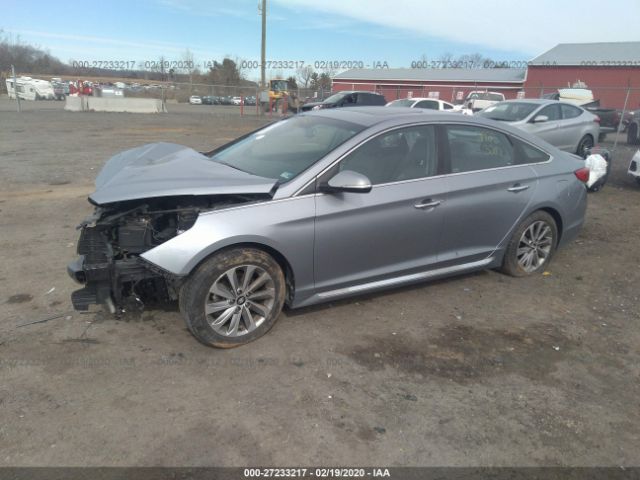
point(596, 119)
point(582, 174)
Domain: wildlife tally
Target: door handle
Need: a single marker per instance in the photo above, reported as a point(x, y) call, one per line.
point(428, 203)
point(517, 188)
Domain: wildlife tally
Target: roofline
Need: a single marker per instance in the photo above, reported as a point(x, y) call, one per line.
point(401, 80)
point(556, 64)
point(383, 83)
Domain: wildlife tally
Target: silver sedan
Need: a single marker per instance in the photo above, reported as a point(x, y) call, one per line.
point(566, 126)
point(322, 206)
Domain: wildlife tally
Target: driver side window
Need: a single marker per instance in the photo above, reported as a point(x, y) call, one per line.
point(402, 154)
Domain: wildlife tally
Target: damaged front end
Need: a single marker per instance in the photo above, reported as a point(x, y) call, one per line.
point(113, 238)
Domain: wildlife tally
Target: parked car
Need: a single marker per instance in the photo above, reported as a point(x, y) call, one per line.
point(633, 129)
point(478, 100)
point(346, 99)
point(195, 100)
point(634, 167)
point(321, 206)
point(419, 102)
point(568, 127)
point(236, 100)
point(250, 101)
point(207, 100)
point(429, 104)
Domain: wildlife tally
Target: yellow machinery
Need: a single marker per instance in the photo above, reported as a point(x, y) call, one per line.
point(278, 90)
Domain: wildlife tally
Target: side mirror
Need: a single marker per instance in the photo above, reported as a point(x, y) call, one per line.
point(540, 119)
point(348, 181)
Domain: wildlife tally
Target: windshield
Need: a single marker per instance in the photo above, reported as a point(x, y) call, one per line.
point(283, 150)
point(509, 111)
point(334, 98)
point(405, 102)
point(279, 85)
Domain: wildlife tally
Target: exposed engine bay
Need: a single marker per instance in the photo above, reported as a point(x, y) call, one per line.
point(114, 236)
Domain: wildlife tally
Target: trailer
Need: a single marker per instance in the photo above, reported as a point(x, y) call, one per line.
point(28, 88)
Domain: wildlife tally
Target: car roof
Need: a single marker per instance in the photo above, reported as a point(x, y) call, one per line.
point(345, 92)
point(420, 99)
point(398, 116)
point(537, 101)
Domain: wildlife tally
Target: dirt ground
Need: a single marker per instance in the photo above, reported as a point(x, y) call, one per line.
point(482, 369)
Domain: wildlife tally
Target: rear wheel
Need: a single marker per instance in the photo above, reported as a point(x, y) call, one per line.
point(233, 298)
point(531, 246)
point(586, 143)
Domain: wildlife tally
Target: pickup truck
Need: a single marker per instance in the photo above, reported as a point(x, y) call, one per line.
point(478, 100)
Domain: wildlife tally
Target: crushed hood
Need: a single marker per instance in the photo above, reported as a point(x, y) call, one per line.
point(167, 169)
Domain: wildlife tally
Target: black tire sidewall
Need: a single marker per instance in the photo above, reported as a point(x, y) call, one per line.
point(583, 140)
point(510, 264)
point(195, 290)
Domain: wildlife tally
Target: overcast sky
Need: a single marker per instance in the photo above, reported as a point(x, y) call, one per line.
point(393, 31)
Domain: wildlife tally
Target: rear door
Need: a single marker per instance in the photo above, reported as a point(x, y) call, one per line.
point(572, 126)
point(390, 231)
point(490, 186)
point(549, 130)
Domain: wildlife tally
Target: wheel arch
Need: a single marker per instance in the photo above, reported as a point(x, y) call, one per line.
point(280, 259)
point(555, 214)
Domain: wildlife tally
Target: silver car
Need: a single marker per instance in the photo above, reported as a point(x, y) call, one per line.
point(321, 206)
point(566, 126)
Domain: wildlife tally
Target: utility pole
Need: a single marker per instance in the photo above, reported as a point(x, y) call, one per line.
point(15, 87)
point(263, 59)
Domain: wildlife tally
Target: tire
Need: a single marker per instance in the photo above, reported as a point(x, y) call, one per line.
point(253, 315)
point(638, 181)
point(585, 143)
point(511, 265)
point(632, 134)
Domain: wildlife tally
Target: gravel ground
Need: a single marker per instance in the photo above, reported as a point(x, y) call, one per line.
point(482, 369)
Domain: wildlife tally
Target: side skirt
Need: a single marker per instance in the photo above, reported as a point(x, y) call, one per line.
point(397, 281)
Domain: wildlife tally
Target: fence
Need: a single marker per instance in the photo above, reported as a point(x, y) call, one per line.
point(222, 95)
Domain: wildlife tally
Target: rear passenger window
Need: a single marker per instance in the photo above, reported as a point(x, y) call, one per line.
point(569, 111)
point(430, 104)
point(477, 148)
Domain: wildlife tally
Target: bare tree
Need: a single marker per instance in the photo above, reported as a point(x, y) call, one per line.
point(304, 75)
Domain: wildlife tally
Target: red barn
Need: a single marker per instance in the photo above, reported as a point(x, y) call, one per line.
point(609, 70)
point(449, 84)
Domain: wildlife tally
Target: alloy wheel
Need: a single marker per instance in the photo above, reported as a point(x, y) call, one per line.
point(535, 246)
point(240, 300)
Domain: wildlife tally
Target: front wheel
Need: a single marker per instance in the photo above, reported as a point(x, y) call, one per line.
point(233, 298)
point(531, 246)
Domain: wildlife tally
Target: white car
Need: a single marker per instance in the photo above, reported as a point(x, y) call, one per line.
point(634, 166)
point(195, 100)
point(236, 100)
point(429, 104)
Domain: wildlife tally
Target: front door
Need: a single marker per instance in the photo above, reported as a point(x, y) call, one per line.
point(390, 231)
